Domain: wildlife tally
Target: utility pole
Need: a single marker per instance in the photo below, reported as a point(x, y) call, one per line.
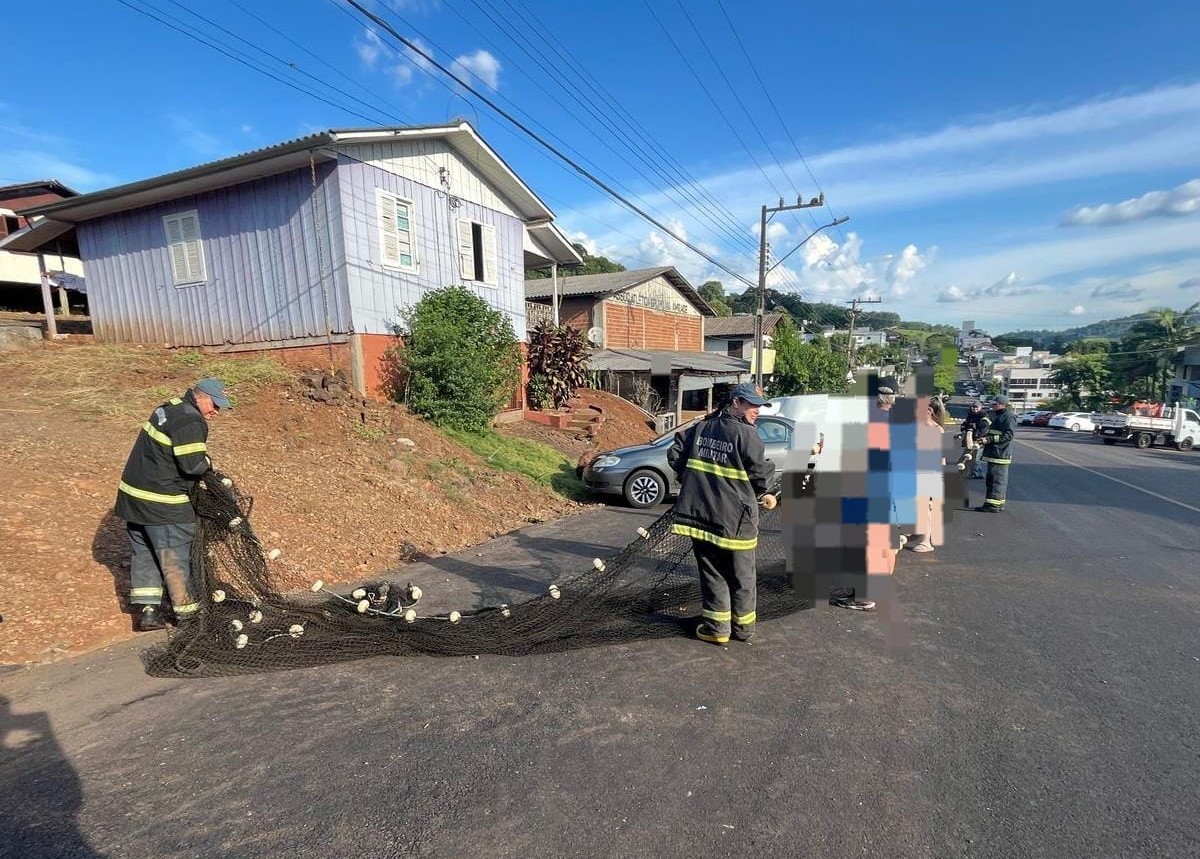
point(854, 305)
point(763, 271)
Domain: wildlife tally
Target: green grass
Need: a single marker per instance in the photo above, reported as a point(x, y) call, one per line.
point(250, 372)
point(539, 462)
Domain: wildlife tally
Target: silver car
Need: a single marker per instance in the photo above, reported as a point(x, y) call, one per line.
point(640, 473)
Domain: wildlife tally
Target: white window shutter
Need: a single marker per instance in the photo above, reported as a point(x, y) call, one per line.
point(466, 251)
point(389, 245)
point(178, 253)
point(489, 253)
point(189, 226)
point(405, 256)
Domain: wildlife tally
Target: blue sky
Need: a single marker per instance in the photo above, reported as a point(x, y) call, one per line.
point(1020, 164)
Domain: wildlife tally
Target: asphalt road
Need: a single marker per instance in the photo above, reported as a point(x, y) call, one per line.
point(1044, 706)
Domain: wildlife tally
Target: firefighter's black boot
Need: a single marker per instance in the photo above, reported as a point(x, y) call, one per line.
point(150, 619)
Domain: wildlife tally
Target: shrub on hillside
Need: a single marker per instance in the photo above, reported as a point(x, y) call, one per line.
point(459, 359)
point(558, 364)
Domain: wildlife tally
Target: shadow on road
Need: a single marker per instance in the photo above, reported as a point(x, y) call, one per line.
point(110, 547)
point(41, 794)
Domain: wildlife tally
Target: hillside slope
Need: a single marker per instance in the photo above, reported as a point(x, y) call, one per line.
point(335, 487)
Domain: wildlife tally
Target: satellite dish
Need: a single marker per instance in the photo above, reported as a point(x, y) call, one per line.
point(595, 336)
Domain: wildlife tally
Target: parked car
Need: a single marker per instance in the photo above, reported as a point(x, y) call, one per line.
point(1027, 418)
point(1073, 421)
point(1042, 419)
point(640, 473)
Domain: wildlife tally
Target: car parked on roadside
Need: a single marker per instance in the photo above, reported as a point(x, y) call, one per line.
point(1073, 421)
point(640, 473)
point(1043, 419)
point(1026, 418)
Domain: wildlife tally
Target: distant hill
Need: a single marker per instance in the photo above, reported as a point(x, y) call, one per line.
point(1113, 329)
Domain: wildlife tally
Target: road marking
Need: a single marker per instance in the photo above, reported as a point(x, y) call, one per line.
point(1113, 479)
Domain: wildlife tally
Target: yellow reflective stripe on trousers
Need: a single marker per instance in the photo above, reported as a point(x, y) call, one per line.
point(997, 461)
point(718, 616)
point(156, 497)
point(746, 619)
point(719, 470)
point(195, 447)
point(160, 437)
point(184, 610)
point(145, 592)
point(723, 542)
point(994, 502)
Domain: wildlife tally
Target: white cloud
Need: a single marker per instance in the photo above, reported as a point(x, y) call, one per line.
point(26, 165)
point(480, 64)
point(370, 48)
point(903, 268)
point(196, 138)
point(1178, 202)
point(1077, 310)
point(954, 293)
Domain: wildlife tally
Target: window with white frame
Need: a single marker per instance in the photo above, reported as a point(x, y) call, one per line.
point(187, 250)
point(477, 252)
point(396, 231)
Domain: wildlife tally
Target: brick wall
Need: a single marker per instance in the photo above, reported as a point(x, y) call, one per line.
point(576, 312)
point(628, 327)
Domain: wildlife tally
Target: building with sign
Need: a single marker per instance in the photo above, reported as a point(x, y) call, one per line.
point(647, 328)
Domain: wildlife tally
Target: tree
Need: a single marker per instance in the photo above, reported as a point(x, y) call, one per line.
point(590, 265)
point(713, 291)
point(992, 388)
point(806, 368)
point(1089, 346)
point(1141, 363)
point(1084, 380)
point(459, 358)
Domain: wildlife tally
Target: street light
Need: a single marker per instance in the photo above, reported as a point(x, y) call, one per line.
point(763, 271)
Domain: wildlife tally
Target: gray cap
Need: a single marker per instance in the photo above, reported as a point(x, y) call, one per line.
point(215, 389)
point(1001, 399)
point(746, 391)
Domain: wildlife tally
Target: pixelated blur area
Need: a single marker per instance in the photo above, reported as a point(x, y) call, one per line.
point(881, 474)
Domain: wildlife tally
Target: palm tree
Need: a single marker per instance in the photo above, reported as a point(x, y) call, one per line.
point(1167, 331)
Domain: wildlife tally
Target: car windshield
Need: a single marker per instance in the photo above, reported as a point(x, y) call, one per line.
point(670, 434)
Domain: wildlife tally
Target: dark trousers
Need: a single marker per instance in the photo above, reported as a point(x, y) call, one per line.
point(161, 555)
point(997, 484)
point(728, 587)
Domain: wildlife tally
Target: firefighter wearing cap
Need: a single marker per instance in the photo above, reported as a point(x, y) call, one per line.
point(169, 456)
point(723, 471)
point(997, 453)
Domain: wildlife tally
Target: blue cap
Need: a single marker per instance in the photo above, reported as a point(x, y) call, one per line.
point(215, 389)
point(746, 391)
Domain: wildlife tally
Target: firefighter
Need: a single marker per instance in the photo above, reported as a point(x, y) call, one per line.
point(977, 422)
point(997, 453)
point(154, 498)
point(723, 473)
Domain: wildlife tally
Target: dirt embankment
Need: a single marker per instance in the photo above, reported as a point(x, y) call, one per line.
point(344, 492)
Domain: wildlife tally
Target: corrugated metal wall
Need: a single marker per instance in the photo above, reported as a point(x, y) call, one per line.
point(264, 259)
point(377, 293)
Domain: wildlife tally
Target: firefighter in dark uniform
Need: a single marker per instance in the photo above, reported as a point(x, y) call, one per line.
point(723, 472)
point(977, 422)
point(997, 453)
point(169, 456)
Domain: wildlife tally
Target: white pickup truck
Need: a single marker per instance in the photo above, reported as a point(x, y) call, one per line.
point(1178, 427)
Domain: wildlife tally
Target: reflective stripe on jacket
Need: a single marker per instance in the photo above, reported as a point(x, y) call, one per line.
point(169, 456)
point(723, 469)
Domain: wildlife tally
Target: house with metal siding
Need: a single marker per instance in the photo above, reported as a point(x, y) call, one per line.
point(311, 248)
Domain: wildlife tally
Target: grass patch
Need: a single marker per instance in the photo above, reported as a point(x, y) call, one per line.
point(540, 463)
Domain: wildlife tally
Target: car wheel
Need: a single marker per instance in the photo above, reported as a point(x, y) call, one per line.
point(1186, 444)
point(644, 488)
point(1074, 427)
point(1143, 440)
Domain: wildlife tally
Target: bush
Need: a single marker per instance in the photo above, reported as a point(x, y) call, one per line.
point(460, 359)
point(538, 390)
point(558, 359)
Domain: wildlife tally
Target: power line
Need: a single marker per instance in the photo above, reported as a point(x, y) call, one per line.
point(542, 141)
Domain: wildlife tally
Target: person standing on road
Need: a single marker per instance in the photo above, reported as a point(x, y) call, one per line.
point(997, 453)
point(977, 422)
point(723, 473)
point(154, 498)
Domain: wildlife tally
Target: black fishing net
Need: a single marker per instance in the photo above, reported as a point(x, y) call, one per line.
point(257, 616)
